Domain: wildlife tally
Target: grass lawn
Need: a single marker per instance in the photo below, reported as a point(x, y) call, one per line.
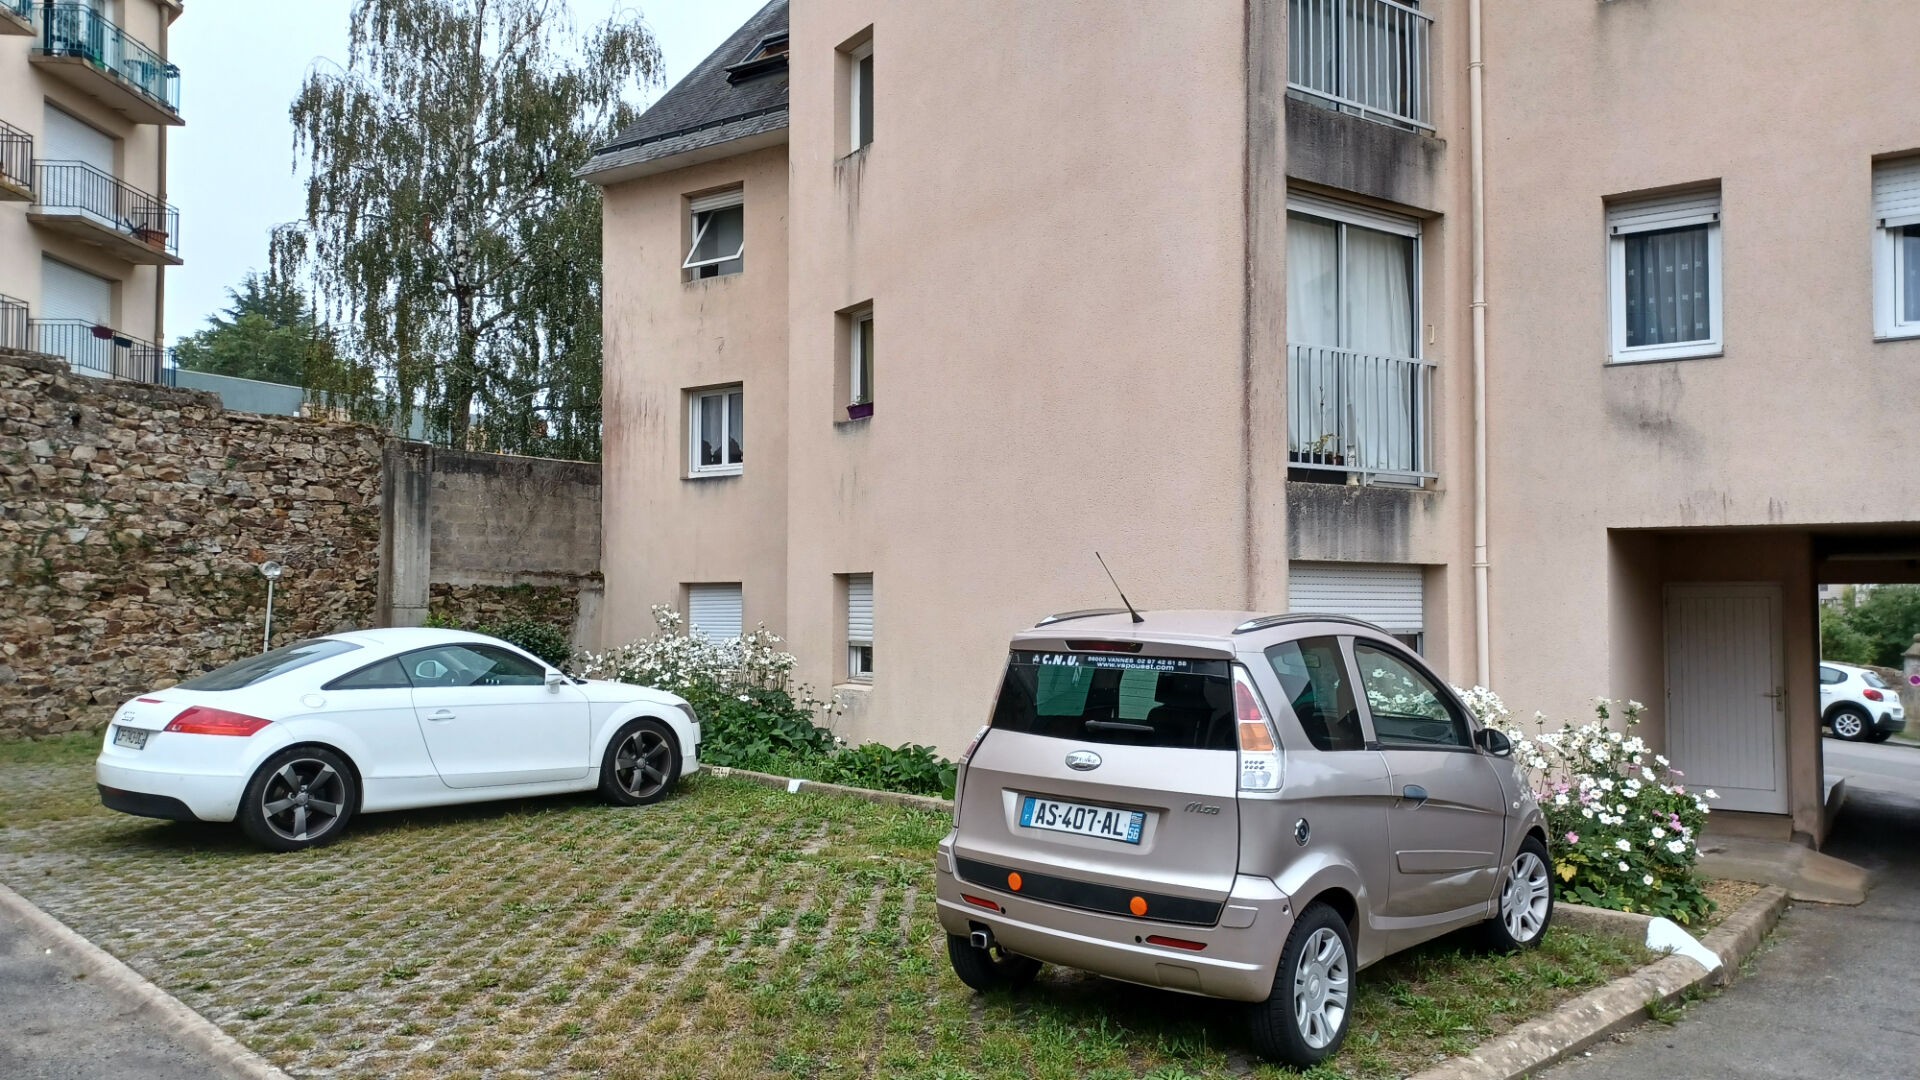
point(731, 931)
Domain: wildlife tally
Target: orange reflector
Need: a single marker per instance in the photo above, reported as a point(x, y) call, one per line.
point(979, 902)
point(1137, 905)
point(1013, 882)
point(1176, 943)
point(1255, 738)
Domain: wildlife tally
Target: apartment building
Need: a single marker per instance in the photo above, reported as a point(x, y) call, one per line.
point(86, 235)
point(1507, 326)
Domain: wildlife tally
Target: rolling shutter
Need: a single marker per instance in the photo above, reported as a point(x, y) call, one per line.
point(713, 611)
point(1665, 212)
point(859, 609)
point(67, 138)
point(1387, 595)
point(1896, 193)
point(68, 293)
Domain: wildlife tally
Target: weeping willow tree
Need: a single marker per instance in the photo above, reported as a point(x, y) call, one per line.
point(446, 232)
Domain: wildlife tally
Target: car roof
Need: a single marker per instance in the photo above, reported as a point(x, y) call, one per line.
point(407, 637)
point(1196, 627)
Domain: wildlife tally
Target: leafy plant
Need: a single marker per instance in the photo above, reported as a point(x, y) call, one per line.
point(908, 767)
point(544, 640)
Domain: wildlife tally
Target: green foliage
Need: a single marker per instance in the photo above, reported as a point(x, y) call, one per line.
point(1873, 627)
point(445, 225)
point(909, 767)
point(544, 640)
point(762, 729)
point(267, 333)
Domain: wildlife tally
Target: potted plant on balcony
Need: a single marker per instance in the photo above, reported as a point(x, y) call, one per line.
point(860, 410)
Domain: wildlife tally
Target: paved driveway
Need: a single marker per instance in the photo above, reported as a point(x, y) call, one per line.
point(1891, 766)
point(1831, 994)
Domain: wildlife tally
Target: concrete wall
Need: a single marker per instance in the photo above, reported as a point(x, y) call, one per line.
point(245, 395)
point(25, 91)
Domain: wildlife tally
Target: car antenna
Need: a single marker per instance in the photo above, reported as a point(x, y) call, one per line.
point(1116, 588)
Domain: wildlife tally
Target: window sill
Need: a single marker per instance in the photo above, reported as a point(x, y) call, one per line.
point(850, 155)
point(863, 687)
point(1709, 353)
point(852, 422)
point(1905, 333)
point(689, 282)
point(715, 474)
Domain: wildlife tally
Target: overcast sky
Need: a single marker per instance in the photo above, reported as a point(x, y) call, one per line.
point(230, 170)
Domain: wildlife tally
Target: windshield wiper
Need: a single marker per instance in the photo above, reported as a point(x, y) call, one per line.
point(1117, 725)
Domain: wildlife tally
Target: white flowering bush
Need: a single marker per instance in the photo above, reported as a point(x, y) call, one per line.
point(1623, 827)
point(676, 661)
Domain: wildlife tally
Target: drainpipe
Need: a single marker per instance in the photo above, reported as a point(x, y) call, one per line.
point(1476, 124)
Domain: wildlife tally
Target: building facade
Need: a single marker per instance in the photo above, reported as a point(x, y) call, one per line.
point(86, 235)
point(1462, 316)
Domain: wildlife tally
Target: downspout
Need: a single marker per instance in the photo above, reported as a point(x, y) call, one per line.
point(1476, 138)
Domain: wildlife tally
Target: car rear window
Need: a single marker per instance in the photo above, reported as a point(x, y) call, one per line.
point(1873, 680)
point(256, 669)
point(1119, 700)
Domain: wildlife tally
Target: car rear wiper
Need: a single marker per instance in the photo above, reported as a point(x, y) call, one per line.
point(1117, 725)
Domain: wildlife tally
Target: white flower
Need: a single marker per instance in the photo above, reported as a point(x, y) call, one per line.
point(1712, 794)
point(1585, 812)
point(1647, 880)
point(1659, 833)
point(1623, 845)
point(1560, 799)
point(1676, 846)
point(1624, 867)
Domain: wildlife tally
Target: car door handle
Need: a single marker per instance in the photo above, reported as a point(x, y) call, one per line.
point(440, 716)
point(1414, 794)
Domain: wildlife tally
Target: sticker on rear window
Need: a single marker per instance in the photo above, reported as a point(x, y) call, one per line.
point(1109, 660)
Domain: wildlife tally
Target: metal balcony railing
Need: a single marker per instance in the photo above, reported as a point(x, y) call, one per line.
point(77, 30)
point(19, 9)
point(99, 350)
point(16, 155)
point(1364, 56)
point(13, 324)
point(78, 186)
point(1350, 412)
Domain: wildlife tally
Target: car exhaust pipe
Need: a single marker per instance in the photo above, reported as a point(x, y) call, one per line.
point(981, 939)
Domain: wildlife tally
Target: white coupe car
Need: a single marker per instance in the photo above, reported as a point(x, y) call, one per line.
point(293, 742)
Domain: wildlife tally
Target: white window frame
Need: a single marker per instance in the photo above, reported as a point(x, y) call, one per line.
point(857, 359)
point(699, 216)
point(1631, 217)
point(859, 649)
point(862, 51)
point(694, 398)
point(1896, 205)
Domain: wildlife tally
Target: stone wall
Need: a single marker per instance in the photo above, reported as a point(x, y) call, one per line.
point(133, 520)
point(467, 605)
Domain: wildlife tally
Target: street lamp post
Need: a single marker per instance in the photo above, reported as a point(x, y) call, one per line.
point(271, 571)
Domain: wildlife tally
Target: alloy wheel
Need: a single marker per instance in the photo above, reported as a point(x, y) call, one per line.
point(640, 765)
point(1847, 725)
point(303, 800)
point(1320, 988)
point(1523, 903)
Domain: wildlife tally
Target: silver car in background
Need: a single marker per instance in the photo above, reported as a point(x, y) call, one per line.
point(1236, 806)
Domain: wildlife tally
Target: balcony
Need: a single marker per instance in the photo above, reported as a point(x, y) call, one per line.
point(1359, 415)
point(16, 163)
point(98, 350)
point(16, 17)
point(78, 45)
point(1367, 57)
point(75, 198)
point(13, 324)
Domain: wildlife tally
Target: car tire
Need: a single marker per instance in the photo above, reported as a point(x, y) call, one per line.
point(1850, 722)
point(1880, 736)
point(299, 798)
point(1525, 901)
point(987, 970)
point(1304, 1019)
point(641, 765)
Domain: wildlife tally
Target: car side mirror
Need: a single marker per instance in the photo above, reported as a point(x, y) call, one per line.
point(555, 681)
point(1493, 742)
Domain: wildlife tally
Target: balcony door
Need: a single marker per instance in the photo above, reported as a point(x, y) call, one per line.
point(72, 303)
point(1356, 382)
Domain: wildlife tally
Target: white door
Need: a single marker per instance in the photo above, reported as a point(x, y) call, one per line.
point(1388, 595)
point(75, 296)
point(1726, 694)
point(490, 720)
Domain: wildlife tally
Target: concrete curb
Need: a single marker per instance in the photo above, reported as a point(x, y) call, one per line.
point(223, 1053)
point(794, 785)
point(1619, 1005)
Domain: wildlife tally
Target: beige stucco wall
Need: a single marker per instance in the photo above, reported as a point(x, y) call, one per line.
point(25, 90)
point(665, 336)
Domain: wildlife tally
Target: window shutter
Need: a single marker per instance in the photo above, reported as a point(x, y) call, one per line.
point(859, 609)
point(1896, 193)
point(1389, 596)
point(715, 201)
point(67, 293)
point(1665, 212)
point(1366, 217)
point(713, 611)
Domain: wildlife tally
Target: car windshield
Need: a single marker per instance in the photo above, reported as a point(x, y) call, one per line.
point(1873, 680)
point(257, 669)
point(1117, 699)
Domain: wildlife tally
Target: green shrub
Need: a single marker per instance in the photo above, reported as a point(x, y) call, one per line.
point(544, 640)
point(914, 769)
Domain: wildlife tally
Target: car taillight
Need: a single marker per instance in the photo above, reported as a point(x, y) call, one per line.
point(1259, 755)
point(201, 720)
point(1872, 695)
point(975, 744)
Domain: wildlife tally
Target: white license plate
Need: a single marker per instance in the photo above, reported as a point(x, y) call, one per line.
point(1080, 819)
point(131, 738)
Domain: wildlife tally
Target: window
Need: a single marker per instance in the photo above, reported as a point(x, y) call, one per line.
point(860, 95)
point(717, 226)
point(1664, 277)
point(1313, 676)
point(1119, 700)
point(385, 675)
point(470, 665)
point(716, 420)
point(860, 628)
point(1831, 676)
point(1356, 383)
point(860, 359)
point(1874, 681)
point(1409, 710)
point(1896, 249)
point(257, 669)
point(714, 611)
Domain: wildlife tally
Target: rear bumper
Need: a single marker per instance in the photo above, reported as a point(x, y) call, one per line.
point(1890, 723)
point(1237, 963)
point(141, 804)
point(201, 797)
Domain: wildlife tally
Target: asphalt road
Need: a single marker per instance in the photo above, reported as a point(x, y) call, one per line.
point(1831, 993)
point(54, 1026)
point(1890, 766)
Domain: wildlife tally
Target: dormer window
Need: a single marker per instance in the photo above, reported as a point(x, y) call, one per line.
point(769, 56)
